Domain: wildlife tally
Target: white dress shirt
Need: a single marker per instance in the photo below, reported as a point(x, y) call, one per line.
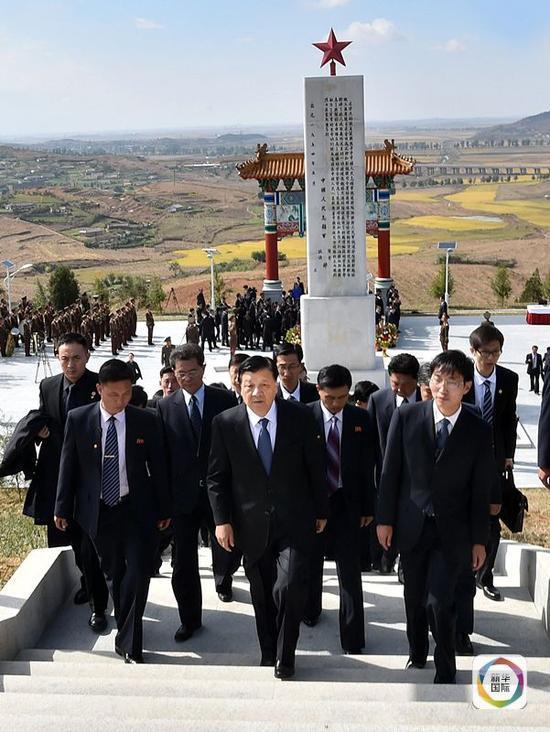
point(255, 426)
point(120, 426)
point(410, 399)
point(287, 394)
point(438, 417)
point(327, 421)
point(199, 394)
point(479, 380)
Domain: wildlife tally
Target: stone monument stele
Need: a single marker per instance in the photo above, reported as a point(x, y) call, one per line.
point(337, 314)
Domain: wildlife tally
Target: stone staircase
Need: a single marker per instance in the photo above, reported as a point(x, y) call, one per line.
point(72, 679)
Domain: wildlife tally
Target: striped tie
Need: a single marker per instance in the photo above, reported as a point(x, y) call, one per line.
point(333, 457)
point(487, 408)
point(110, 482)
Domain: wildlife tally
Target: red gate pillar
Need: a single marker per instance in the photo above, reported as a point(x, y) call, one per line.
point(272, 284)
point(384, 279)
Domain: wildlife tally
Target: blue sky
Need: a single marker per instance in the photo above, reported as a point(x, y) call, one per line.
point(70, 66)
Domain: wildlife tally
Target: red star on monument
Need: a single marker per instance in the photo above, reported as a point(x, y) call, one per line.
point(332, 51)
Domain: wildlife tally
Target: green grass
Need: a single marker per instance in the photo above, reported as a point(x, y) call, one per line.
point(18, 534)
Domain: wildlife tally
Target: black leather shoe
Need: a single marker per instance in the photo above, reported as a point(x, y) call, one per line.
point(411, 663)
point(283, 672)
point(128, 657)
point(267, 660)
point(386, 566)
point(311, 622)
point(226, 596)
point(81, 597)
point(97, 622)
point(184, 632)
point(440, 680)
point(463, 645)
point(491, 592)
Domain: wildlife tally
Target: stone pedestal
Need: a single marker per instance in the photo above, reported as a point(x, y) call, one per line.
point(341, 330)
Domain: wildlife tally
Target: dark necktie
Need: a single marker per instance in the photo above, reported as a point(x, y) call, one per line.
point(110, 480)
point(264, 446)
point(333, 457)
point(487, 408)
point(405, 401)
point(292, 398)
point(442, 435)
point(196, 419)
point(69, 398)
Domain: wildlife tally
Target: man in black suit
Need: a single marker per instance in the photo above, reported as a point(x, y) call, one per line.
point(74, 387)
point(208, 331)
point(534, 368)
point(433, 504)
point(234, 365)
point(403, 389)
point(289, 362)
point(186, 418)
point(494, 394)
point(268, 490)
point(443, 308)
point(349, 443)
point(112, 482)
point(544, 437)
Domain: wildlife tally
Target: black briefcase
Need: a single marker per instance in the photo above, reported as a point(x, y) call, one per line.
point(514, 504)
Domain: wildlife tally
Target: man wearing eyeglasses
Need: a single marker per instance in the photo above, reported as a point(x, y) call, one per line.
point(494, 394)
point(433, 505)
point(288, 359)
point(186, 417)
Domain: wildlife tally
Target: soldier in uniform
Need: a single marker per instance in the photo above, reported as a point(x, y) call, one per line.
point(150, 322)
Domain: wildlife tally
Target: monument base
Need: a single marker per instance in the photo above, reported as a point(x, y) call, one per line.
point(273, 289)
point(341, 330)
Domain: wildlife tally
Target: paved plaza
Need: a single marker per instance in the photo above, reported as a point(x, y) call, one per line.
point(419, 335)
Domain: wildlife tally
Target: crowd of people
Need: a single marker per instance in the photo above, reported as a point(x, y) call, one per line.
point(32, 326)
point(278, 473)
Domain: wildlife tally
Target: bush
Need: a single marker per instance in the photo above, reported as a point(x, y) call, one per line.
point(533, 290)
point(63, 287)
point(258, 256)
point(437, 288)
point(501, 285)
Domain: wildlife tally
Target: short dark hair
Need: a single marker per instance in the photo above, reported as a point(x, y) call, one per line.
point(67, 338)
point(115, 370)
point(287, 349)
point(257, 363)
point(449, 362)
point(404, 363)
point(363, 390)
point(139, 397)
point(237, 359)
point(333, 377)
point(188, 352)
point(424, 373)
point(485, 334)
point(166, 370)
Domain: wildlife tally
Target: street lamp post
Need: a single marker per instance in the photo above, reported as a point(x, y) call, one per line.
point(448, 247)
point(211, 253)
point(9, 265)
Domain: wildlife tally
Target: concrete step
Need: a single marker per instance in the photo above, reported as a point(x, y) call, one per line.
point(55, 723)
point(201, 714)
point(350, 669)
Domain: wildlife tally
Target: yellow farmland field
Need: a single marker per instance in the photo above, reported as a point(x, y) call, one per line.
point(422, 196)
point(482, 198)
point(452, 223)
point(294, 247)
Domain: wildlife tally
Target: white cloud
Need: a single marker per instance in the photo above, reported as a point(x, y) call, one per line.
point(379, 30)
point(331, 3)
point(147, 24)
point(453, 45)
